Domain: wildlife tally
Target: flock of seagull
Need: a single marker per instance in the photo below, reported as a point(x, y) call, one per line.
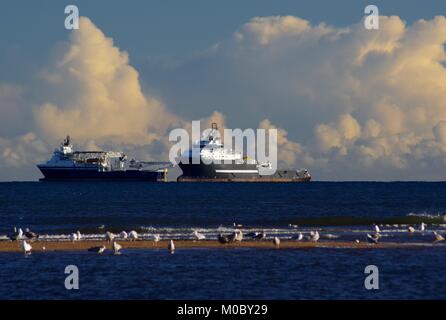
point(376, 235)
point(236, 236)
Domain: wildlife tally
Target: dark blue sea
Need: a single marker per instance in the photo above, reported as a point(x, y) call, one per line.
point(340, 211)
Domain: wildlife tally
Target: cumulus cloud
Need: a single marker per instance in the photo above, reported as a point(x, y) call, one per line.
point(349, 103)
point(104, 99)
point(367, 103)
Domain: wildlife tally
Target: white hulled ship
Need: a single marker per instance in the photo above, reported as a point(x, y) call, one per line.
point(214, 162)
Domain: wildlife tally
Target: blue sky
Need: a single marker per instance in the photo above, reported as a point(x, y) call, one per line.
point(173, 28)
point(350, 104)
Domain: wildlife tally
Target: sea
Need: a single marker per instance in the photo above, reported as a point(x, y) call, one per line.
point(339, 211)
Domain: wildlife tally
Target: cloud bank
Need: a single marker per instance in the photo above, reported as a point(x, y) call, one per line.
point(349, 103)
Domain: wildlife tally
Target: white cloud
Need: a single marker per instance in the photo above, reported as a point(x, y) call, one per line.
point(359, 104)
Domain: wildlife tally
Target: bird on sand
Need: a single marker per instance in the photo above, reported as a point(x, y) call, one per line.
point(438, 237)
point(109, 236)
point(133, 235)
point(26, 247)
point(298, 237)
point(199, 236)
point(260, 236)
point(238, 235)
point(314, 236)
point(30, 235)
point(116, 247)
point(223, 239)
point(410, 229)
point(74, 237)
point(98, 250)
point(171, 246)
point(276, 242)
point(156, 238)
point(373, 238)
point(79, 235)
point(123, 235)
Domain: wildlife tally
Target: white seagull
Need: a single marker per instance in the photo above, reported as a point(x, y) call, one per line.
point(438, 237)
point(171, 246)
point(373, 238)
point(238, 235)
point(116, 247)
point(73, 237)
point(199, 236)
point(123, 235)
point(314, 236)
point(109, 236)
point(98, 250)
point(422, 226)
point(377, 230)
point(133, 235)
point(26, 247)
point(156, 238)
point(276, 242)
point(79, 236)
point(410, 229)
point(298, 237)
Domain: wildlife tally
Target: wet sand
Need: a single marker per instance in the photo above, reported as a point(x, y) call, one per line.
point(14, 246)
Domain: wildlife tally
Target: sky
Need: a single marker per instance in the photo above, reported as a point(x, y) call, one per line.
point(349, 103)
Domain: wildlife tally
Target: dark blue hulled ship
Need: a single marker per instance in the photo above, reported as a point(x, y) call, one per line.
point(68, 164)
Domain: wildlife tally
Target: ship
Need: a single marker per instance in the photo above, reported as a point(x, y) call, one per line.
point(67, 164)
point(219, 164)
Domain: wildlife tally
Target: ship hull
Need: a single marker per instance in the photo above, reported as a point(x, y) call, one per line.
point(234, 173)
point(83, 174)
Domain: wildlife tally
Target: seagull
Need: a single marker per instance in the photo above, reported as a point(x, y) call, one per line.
point(78, 234)
point(314, 236)
point(252, 234)
point(171, 246)
point(260, 236)
point(298, 237)
point(422, 226)
point(373, 238)
point(377, 230)
point(97, 250)
point(133, 235)
point(357, 241)
point(156, 238)
point(123, 235)
point(276, 242)
point(238, 235)
point(411, 229)
point(116, 247)
point(74, 237)
point(31, 235)
point(438, 237)
point(223, 239)
point(109, 236)
point(26, 247)
point(199, 236)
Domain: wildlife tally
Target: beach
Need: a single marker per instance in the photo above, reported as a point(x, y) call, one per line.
point(14, 246)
